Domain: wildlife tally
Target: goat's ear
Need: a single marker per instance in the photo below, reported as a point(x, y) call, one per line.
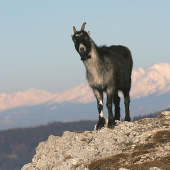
point(88, 33)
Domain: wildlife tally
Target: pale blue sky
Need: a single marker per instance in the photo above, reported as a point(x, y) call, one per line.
point(36, 50)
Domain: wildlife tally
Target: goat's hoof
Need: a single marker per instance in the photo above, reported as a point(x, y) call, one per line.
point(100, 123)
point(111, 124)
point(127, 118)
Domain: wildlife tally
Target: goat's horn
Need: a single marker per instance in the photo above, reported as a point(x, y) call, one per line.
point(74, 29)
point(83, 26)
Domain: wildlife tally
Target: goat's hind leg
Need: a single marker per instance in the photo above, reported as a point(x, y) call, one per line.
point(126, 102)
point(99, 96)
point(116, 101)
point(111, 120)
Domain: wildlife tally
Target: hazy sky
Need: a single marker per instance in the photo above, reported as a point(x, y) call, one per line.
point(36, 50)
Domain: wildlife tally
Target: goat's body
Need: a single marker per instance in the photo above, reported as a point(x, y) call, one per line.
point(109, 66)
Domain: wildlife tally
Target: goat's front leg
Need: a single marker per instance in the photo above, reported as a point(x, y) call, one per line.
point(111, 120)
point(99, 97)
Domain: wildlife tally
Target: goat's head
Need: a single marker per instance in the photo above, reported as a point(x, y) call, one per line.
point(82, 42)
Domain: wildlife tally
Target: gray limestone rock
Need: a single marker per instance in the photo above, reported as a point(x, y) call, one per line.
point(76, 150)
point(155, 168)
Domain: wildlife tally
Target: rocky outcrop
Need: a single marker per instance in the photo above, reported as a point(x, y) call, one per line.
point(143, 144)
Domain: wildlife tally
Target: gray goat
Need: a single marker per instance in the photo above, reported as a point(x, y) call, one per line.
point(108, 69)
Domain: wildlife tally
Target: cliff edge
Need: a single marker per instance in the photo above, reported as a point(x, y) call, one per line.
point(144, 144)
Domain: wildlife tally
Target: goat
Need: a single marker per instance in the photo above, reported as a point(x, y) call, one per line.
point(108, 69)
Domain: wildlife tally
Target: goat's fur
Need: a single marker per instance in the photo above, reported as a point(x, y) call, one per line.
point(108, 69)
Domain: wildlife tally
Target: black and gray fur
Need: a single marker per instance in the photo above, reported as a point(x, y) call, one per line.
point(108, 69)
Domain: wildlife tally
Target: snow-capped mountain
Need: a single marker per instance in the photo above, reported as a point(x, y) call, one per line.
point(30, 97)
point(145, 81)
point(150, 92)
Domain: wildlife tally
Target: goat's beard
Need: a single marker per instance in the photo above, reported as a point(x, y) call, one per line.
point(85, 57)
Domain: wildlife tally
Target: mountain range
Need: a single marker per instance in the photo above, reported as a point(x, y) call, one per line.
point(150, 92)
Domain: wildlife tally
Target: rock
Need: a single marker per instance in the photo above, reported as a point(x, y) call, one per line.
point(78, 150)
point(155, 168)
